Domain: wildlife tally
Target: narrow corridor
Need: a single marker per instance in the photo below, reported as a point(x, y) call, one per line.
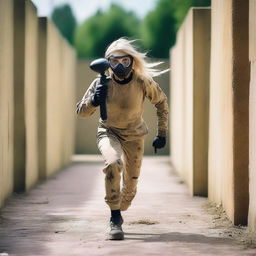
point(67, 215)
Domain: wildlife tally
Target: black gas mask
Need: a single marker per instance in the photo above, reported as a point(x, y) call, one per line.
point(121, 65)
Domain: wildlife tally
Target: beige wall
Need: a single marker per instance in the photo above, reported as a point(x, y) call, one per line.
point(53, 100)
point(252, 132)
point(177, 99)
point(42, 45)
point(19, 94)
point(202, 43)
point(25, 95)
point(190, 99)
point(57, 62)
point(68, 101)
point(31, 87)
point(6, 99)
point(86, 128)
point(228, 132)
point(252, 205)
point(221, 126)
point(37, 98)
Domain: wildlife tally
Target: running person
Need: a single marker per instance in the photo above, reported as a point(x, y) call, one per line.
point(121, 137)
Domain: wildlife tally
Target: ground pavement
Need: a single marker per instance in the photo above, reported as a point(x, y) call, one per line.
point(66, 215)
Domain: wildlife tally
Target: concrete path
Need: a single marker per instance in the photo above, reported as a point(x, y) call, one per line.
point(67, 216)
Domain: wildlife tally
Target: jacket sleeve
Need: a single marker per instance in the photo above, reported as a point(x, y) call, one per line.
point(84, 107)
point(157, 97)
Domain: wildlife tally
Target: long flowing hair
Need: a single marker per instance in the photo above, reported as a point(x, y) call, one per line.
point(141, 66)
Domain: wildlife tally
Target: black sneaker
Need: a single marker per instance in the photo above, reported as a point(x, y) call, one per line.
point(116, 232)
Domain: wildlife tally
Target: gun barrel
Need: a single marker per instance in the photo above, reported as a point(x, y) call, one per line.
point(100, 66)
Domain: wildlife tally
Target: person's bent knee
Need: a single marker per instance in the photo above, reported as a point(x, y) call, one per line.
point(117, 162)
point(114, 165)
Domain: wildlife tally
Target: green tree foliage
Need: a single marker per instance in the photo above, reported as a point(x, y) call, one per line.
point(65, 21)
point(158, 29)
point(96, 33)
point(181, 8)
point(160, 25)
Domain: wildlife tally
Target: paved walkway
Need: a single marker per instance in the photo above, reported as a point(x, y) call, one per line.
point(67, 216)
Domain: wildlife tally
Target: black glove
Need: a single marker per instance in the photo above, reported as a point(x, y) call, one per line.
point(100, 95)
point(159, 142)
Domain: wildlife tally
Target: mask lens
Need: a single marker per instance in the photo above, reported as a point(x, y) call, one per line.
point(113, 62)
point(124, 60)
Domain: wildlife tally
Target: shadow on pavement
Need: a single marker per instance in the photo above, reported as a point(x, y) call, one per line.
point(177, 237)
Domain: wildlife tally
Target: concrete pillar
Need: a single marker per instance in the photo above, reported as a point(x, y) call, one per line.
point(68, 101)
point(53, 100)
point(229, 95)
point(177, 95)
point(19, 94)
point(42, 41)
point(31, 94)
point(25, 95)
point(252, 116)
point(201, 53)
point(6, 99)
point(57, 63)
point(190, 94)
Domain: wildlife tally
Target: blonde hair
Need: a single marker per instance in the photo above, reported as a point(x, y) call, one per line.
point(140, 65)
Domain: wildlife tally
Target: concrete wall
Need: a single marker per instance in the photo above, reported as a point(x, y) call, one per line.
point(228, 156)
point(6, 99)
point(68, 101)
point(177, 99)
point(25, 95)
point(31, 87)
point(252, 132)
point(229, 93)
point(190, 99)
point(42, 45)
point(57, 100)
point(19, 94)
point(37, 98)
point(86, 128)
point(53, 101)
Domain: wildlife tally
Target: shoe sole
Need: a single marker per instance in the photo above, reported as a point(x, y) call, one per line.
point(118, 236)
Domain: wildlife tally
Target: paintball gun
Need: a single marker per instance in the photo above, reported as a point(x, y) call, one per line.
point(100, 66)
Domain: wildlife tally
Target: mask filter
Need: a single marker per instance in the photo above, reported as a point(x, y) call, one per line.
point(120, 71)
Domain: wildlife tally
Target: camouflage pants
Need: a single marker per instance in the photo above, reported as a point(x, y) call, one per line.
point(122, 160)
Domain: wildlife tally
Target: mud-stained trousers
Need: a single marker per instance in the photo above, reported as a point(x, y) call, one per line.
point(122, 158)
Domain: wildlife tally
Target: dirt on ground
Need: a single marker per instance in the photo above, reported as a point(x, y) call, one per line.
point(241, 234)
point(143, 222)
